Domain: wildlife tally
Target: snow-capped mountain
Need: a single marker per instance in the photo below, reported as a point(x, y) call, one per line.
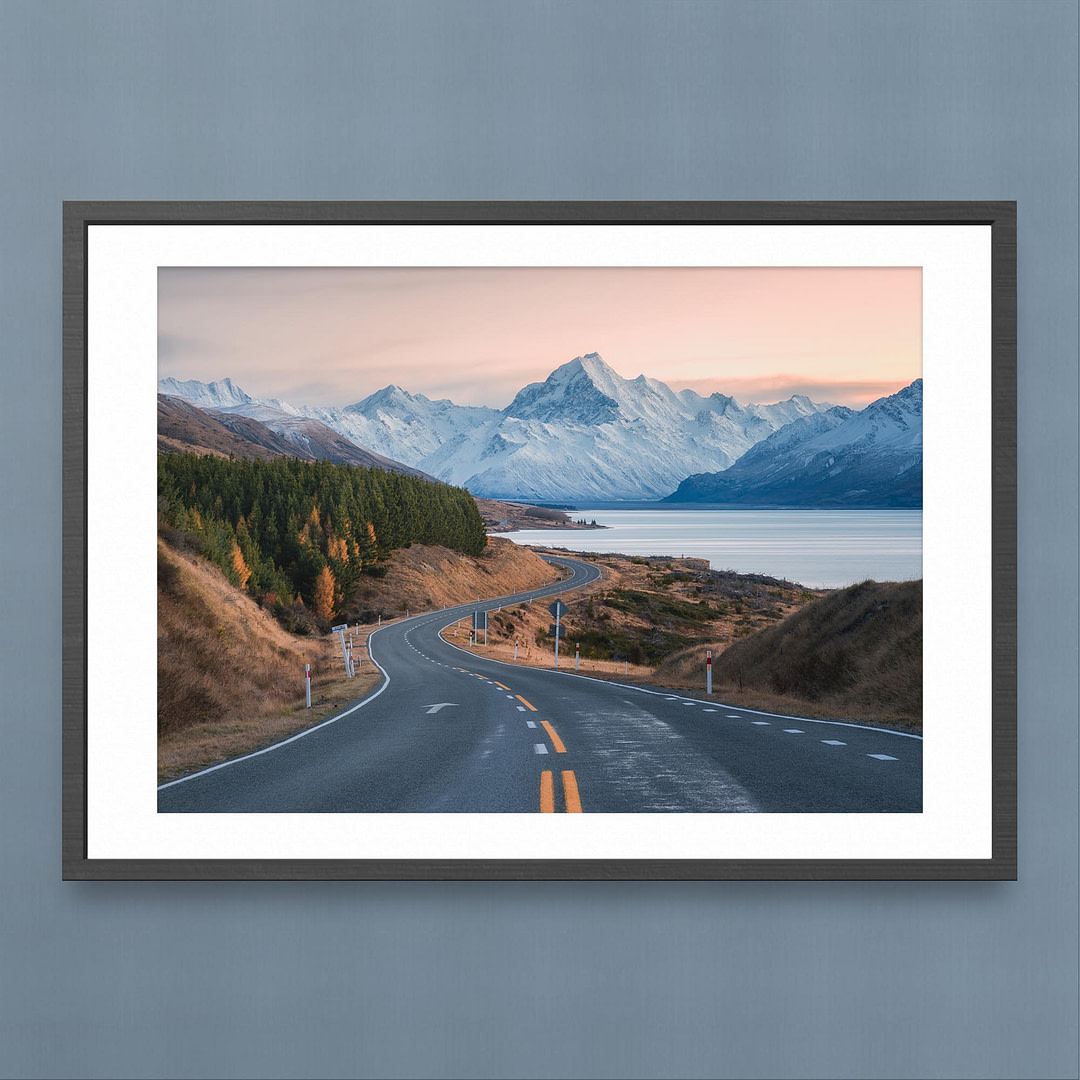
point(223, 394)
point(584, 433)
point(836, 458)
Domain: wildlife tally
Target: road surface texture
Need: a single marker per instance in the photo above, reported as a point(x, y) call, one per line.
point(447, 731)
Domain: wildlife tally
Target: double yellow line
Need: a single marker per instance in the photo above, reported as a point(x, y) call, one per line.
point(571, 798)
point(570, 792)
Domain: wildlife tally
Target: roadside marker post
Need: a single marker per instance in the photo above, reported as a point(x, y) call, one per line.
point(515, 649)
point(708, 671)
point(307, 683)
point(577, 654)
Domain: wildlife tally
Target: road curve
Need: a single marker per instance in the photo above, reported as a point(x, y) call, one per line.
point(518, 740)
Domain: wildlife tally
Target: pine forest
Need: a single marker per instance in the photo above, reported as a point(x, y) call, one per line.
point(297, 535)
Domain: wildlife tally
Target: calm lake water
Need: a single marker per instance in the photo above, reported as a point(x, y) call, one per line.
point(818, 548)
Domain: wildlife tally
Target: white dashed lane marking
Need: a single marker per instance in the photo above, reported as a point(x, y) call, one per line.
point(710, 710)
point(521, 708)
point(793, 731)
point(530, 723)
point(833, 742)
point(540, 748)
point(883, 757)
point(760, 723)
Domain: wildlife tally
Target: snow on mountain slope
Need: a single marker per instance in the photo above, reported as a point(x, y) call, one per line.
point(216, 395)
point(837, 458)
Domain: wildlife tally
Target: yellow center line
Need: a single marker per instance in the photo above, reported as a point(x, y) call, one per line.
point(555, 740)
point(547, 793)
point(573, 800)
point(525, 703)
point(497, 683)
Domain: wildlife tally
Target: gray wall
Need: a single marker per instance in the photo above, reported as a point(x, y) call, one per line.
point(537, 100)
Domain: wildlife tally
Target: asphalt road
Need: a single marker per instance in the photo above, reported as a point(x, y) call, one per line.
point(520, 740)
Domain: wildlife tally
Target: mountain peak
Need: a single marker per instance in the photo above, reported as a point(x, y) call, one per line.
point(581, 391)
point(592, 364)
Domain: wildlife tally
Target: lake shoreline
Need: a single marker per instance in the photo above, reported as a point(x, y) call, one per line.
point(821, 548)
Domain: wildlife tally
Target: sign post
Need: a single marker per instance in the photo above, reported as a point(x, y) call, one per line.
point(480, 622)
point(558, 609)
point(708, 671)
point(307, 683)
point(340, 631)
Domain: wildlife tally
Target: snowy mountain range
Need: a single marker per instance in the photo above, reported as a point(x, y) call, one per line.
point(584, 433)
point(837, 458)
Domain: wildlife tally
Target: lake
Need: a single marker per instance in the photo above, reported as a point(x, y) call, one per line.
point(818, 548)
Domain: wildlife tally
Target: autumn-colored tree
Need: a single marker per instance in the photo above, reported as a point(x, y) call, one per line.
point(322, 601)
point(243, 574)
point(371, 534)
point(337, 549)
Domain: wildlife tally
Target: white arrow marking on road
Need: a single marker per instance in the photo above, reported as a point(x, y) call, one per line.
point(435, 708)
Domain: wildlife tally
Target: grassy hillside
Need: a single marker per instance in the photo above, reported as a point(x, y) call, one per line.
point(640, 612)
point(423, 577)
point(229, 677)
point(854, 653)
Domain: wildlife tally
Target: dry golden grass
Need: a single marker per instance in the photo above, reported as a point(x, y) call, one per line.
point(855, 653)
point(422, 578)
point(230, 679)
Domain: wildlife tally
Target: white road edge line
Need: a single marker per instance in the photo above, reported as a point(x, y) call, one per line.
point(299, 734)
point(659, 693)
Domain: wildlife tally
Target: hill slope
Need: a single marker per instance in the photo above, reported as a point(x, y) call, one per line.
point(855, 653)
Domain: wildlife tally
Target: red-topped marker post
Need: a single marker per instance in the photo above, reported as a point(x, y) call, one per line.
point(708, 671)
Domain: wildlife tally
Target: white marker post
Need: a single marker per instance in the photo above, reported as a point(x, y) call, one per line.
point(379, 623)
point(307, 683)
point(577, 655)
point(515, 649)
point(708, 671)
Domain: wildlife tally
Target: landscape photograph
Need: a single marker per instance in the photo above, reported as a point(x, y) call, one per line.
point(587, 540)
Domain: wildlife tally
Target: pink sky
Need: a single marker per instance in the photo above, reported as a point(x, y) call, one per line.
point(477, 335)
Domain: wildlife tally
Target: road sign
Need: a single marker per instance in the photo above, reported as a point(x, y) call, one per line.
point(479, 620)
point(335, 629)
point(557, 631)
point(558, 609)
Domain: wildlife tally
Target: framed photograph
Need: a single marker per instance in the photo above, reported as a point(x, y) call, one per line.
point(539, 540)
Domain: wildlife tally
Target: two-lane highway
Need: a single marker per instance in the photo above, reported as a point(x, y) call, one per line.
point(448, 731)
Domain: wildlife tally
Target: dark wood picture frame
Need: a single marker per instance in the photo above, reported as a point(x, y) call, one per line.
point(1000, 216)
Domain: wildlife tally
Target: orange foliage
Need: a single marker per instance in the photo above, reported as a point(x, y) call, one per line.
point(243, 574)
point(323, 599)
